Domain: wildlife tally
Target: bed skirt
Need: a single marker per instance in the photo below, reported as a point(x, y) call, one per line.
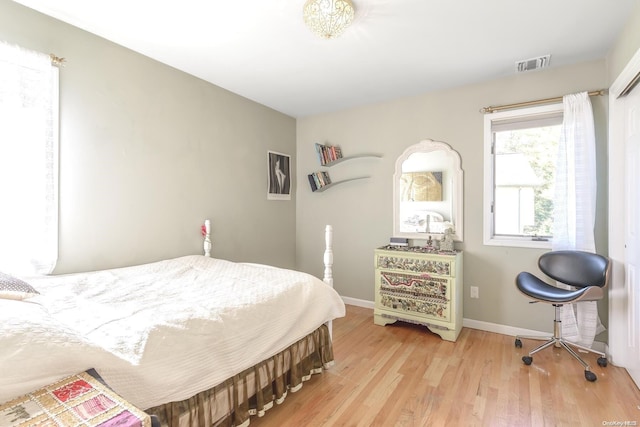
point(235, 400)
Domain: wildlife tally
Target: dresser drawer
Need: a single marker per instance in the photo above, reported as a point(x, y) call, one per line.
point(419, 295)
point(443, 266)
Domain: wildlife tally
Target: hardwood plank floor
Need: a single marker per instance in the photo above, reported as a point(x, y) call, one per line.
point(404, 375)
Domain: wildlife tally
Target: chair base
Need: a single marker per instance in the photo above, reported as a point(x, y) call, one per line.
point(557, 341)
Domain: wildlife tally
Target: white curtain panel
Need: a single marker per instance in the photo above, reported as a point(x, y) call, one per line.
point(575, 206)
point(28, 161)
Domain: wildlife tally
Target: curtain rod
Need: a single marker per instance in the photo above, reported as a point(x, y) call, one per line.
point(56, 60)
point(536, 102)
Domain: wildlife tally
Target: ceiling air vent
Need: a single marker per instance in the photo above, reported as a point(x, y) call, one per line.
point(532, 64)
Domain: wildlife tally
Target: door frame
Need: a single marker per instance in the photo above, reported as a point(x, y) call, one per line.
point(618, 313)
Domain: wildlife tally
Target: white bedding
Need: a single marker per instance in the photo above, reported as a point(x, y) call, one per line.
point(158, 332)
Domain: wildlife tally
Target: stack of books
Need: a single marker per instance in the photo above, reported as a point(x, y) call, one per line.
point(328, 153)
point(317, 180)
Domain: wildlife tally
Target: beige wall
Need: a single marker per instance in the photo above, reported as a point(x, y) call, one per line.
point(361, 211)
point(625, 47)
point(148, 152)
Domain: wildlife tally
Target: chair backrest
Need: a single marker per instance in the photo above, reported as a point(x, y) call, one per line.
point(576, 268)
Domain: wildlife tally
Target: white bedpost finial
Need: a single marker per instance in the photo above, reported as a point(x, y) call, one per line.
point(207, 238)
point(328, 255)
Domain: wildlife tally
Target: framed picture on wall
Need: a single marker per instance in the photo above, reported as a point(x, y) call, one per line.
point(279, 179)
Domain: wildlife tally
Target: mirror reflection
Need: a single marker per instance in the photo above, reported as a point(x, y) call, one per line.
point(421, 187)
point(428, 191)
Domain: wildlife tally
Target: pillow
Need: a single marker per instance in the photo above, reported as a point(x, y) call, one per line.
point(14, 288)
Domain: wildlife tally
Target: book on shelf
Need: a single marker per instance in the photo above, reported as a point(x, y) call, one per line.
point(312, 182)
point(328, 153)
point(317, 180)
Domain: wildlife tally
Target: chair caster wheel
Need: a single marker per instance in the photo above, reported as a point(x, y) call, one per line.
point(590, 376)
point(518, 343)
point(527, 360)
point(602, 361)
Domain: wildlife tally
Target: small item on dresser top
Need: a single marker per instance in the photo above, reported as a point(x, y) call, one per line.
point(436, 244)
point(446, 244)
point(399, 241)
point(430, 242)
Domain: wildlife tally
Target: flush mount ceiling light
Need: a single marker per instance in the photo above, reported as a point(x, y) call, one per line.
point(328, 18)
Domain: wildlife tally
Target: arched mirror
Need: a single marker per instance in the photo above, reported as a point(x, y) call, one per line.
point(427, 192)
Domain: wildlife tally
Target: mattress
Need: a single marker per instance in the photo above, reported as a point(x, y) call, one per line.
point(154, 331)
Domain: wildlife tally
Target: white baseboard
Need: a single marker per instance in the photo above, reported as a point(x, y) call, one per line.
point(482, 326)
point(500, 329)
point(358, 302)
point(513, 331)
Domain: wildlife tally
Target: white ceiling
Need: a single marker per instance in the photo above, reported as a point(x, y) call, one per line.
point(260, 49)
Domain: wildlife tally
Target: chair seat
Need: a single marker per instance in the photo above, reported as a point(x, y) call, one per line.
point(530, 285)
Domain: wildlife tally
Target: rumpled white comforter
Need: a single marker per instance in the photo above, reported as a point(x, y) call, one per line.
point(158, 332)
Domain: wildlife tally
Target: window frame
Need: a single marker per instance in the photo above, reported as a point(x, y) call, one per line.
point(489, 237)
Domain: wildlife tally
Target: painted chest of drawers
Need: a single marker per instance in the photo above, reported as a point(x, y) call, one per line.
point(418, 285)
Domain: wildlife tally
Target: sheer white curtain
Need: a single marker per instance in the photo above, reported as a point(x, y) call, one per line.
point(575, 206)
point(28, 161)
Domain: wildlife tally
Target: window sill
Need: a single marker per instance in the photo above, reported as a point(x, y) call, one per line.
point(519, 243)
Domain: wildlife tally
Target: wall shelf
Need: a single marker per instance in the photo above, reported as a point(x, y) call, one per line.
point(333, 184)
point(329, 156)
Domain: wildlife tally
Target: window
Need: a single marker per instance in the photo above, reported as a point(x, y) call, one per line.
point(520, 161)
point(28, 161)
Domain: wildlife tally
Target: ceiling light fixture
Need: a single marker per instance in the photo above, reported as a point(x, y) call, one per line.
point(328, 18)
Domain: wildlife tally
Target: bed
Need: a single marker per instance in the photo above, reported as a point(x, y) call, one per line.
point(194, 341)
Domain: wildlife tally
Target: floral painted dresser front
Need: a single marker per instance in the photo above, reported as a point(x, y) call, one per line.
point(419, 285)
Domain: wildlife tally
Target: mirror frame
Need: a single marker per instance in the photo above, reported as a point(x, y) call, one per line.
point(457, 188)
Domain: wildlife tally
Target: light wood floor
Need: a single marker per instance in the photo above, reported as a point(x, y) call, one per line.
point(403, 375)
